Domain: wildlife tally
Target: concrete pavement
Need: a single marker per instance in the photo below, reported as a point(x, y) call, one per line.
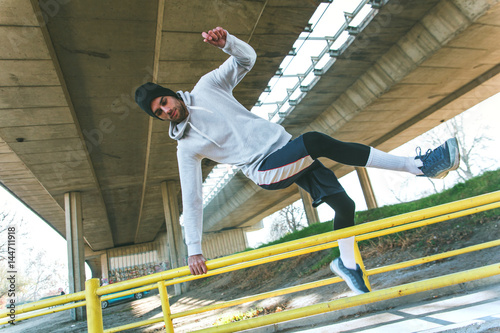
point(468, 307)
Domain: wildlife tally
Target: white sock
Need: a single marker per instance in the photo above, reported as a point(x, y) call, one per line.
point(381, 160)
point(346, 247)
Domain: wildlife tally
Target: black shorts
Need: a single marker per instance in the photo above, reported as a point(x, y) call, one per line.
point(292, 164)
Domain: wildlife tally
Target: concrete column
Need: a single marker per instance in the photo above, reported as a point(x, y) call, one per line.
point(104, 268)
point(311, 212)
point(224, 243)
point(74, 239)
point(366, 186)
point(177, 247)
point(95, 266)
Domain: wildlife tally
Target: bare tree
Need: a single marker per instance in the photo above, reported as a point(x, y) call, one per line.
point(43, 275)
point(10, 220)
point(36, 273)
point(22, 284)
point(38, 276)
point(472, 141)
point(289, 219)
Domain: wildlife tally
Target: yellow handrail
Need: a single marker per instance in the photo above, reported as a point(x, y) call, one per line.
point(35, 313)
point(46, 303)
point(309, 241)
point(374, 296)
point(94, 295)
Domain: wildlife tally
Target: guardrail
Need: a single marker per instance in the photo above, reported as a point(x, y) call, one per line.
point(94, 295)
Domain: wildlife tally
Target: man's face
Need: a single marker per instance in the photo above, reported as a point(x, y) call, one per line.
point(169, 108)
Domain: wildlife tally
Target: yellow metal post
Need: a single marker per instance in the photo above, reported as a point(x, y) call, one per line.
point(359, 261)
point(94, 310)
point(165, 305)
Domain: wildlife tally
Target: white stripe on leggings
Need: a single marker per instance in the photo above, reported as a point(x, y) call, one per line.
point(272, 176)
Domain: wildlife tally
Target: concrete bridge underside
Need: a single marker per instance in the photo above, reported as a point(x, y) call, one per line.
point(413, 67)
point(68, 71)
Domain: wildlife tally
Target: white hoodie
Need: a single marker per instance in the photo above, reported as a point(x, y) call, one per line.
point(219, 128)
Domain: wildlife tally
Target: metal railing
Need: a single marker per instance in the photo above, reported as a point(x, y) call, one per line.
point(94, 295)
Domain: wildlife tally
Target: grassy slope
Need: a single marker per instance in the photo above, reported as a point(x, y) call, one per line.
point(421, 237)
point(486, 183)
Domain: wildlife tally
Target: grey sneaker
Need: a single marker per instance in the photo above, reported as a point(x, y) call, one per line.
point(438, 162)
point(353, 278)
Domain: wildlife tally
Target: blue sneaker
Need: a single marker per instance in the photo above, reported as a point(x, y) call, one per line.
point(440, 161)
point(353, 278)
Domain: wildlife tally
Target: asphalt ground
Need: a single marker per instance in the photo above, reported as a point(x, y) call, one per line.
point(468, 307)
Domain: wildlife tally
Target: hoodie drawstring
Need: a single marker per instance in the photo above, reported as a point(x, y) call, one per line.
point(197, 130)
point(179, 134)
point(204, 135)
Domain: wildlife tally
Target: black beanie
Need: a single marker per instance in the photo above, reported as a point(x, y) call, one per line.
point(146, 93)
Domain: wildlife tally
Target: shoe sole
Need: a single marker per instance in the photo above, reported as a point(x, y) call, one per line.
point(454, 157)
point(336, 270)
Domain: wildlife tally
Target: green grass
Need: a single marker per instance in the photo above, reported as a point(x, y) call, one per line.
point(486, 183)
point(311, 230)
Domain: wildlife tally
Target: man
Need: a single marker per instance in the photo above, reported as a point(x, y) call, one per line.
point(209, 122)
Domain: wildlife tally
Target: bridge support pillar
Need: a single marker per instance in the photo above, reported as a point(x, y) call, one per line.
point(366, 186)
point(74, 240)
point(104, 268)
point(311, 212)
point(95, 266)
point(223, 243)
point(177, 247)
